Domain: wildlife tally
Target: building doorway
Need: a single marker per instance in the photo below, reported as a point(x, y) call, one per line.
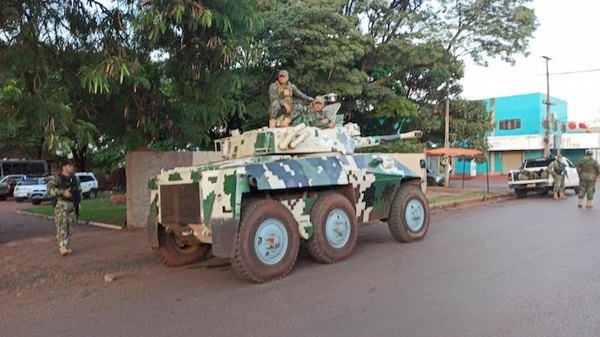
point(511, 160)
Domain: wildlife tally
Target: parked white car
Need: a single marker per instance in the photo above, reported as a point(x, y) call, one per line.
point(24, 187)
point(89, 184)
point(87, 180)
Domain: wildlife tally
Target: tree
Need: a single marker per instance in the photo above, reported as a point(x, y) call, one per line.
point(201, 44)
point(45, 46)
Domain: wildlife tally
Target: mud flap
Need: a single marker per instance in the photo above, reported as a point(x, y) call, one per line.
point(224, 237)
point(152, 227)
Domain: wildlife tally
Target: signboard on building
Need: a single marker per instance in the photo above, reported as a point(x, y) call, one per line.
point(580, 141)
point(511, 143)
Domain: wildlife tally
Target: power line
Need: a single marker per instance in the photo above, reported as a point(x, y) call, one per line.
point(576, 72)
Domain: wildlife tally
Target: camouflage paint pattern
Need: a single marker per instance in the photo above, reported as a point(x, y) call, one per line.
point(260, 164)
point(65, 217)
point(588, 175)
point(587, 188)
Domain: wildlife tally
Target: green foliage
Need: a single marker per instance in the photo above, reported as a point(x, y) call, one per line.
point(109, 157)
point(405, 146)
point(481, 29)
point(97, 210)
point(176, 74)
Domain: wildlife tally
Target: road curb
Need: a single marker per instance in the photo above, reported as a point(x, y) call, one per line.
point(79, 222)
point(476, 200)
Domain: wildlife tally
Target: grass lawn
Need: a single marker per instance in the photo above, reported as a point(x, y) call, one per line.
point(97, 210)
point(449, 198)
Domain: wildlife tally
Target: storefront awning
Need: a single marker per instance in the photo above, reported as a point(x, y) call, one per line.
point(453, 152)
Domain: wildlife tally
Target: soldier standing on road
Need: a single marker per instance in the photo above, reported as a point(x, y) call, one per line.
point(281, 92)
point(66, 190)
point(558, 170)
point(589, 170)
point(313, 115)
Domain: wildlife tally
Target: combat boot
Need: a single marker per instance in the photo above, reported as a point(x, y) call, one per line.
point(589, 204)
point(555, 196)
point(579, 203)
point(63, 251)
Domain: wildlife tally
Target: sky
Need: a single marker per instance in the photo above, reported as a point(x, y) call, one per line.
point(568, 33)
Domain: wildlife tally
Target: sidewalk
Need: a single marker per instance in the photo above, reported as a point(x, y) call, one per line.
point(448, 197)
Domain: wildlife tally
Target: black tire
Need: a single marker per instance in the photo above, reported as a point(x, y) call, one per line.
point(409, 198)
point(262, 215)
point(174, 254)
point(36, 202)
point(520, 193)
point(20, 199)
point(319, 247)
point(576, 190)
point(93, 194)
point(3, 198)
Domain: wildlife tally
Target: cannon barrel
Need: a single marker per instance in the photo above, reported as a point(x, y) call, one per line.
point(362, 142)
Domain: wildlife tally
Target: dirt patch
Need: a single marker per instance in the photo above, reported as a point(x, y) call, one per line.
point(36, 262)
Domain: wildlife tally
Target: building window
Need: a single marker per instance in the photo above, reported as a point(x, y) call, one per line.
point(509, 124)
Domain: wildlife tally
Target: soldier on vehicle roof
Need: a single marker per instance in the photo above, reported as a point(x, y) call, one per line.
point(557, 169)
point(589, 170)
point(66, 190)
point(281, 94)
point(313, 115)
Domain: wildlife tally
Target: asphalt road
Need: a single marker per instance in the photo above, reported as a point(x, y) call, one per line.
point(518, 268)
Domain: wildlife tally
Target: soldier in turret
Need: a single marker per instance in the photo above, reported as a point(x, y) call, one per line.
point(589, 170)
point(66, 190)
point(281, 93)
point(313, 115)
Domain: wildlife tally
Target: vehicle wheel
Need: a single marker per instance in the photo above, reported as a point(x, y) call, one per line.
point(36, 202)
point(335, 231)
point(576, 190)
point(544, 192)
point(409, 214)
point(93, 194)
point(520, 193)
point(20, 199)
point(176, 254)
point(268, 241)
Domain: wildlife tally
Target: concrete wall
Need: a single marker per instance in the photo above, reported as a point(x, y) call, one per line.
point(141, 165)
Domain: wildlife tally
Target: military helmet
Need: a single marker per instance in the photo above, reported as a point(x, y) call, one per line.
point(283, 73)
point(320, 99)
point(65, 162)
point(589, 152)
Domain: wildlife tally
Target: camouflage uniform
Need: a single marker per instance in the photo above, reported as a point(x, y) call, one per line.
point(65, 215)
point(589, 170)
point(557, 170)
point(310, 116)
point(283, 93)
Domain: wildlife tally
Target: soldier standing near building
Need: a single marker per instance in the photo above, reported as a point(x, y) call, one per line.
point(313, 115)
point(281, 93)
point(589, 170)
point(558, 170)
point(66, 190)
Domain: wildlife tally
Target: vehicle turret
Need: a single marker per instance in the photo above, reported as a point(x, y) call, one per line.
point(302, 139)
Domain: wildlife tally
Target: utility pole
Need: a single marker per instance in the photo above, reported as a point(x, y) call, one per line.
point(547, 123)
point(447, 136)
point(447, 117)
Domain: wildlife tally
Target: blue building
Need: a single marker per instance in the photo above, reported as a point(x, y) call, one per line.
point(518, 133)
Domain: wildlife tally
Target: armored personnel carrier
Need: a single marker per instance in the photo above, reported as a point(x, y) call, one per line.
point(277, 187)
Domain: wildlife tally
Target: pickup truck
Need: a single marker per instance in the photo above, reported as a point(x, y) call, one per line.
point(533, 176)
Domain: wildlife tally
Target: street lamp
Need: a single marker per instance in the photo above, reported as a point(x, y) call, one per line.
point(546, 124)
